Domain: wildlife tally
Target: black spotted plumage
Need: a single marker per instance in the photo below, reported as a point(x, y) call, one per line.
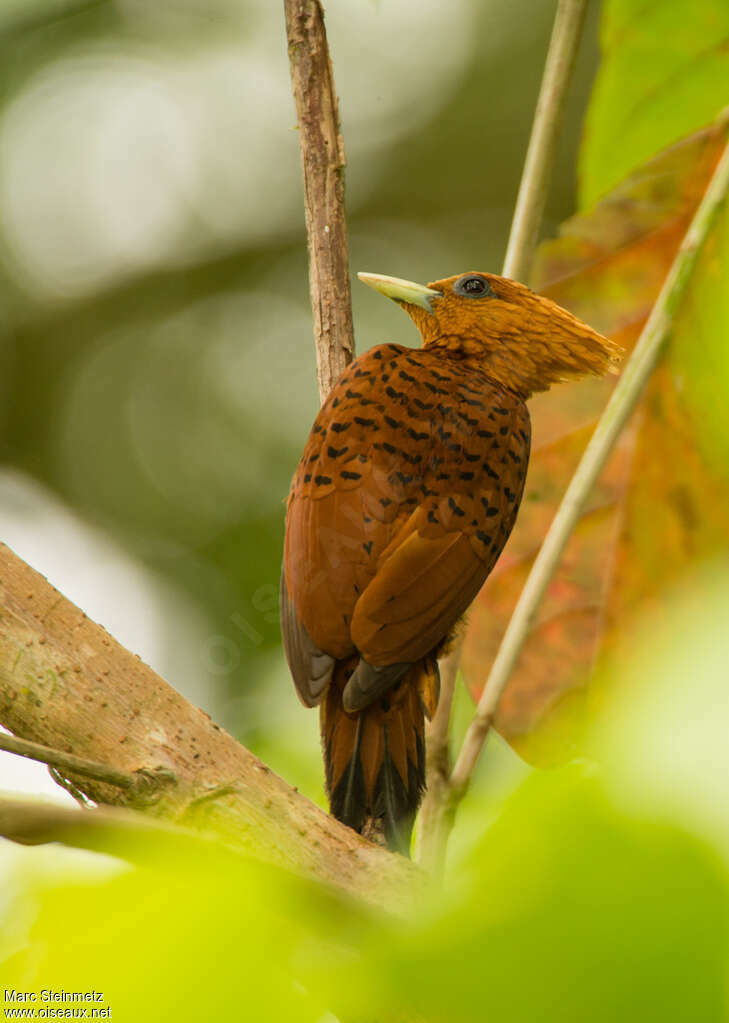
point(427, 483)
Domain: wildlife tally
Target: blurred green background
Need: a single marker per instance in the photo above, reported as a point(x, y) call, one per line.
point(156, 387)
point(158, 379)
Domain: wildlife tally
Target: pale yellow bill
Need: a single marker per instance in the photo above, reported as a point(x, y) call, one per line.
point(400, 290)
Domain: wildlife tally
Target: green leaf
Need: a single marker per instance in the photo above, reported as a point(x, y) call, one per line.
point(185, 938)
point(664, 74)
point(576, 912)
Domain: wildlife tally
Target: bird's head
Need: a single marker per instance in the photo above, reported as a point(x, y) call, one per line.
point(522, 340)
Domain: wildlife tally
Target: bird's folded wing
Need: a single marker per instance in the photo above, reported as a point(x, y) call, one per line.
point(311, 668)
point(424, 582)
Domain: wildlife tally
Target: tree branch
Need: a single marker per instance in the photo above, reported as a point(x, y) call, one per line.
point(637, 371)
point(323, 162)
point(141, 783)
point(542, 150)
point(65, 683)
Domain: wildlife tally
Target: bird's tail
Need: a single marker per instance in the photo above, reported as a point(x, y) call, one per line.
point(375, 757)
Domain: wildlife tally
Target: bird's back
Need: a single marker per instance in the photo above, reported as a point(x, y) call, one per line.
point(403, 499)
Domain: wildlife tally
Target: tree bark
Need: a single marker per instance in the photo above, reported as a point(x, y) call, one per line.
point(66, 683)
point(323, 162)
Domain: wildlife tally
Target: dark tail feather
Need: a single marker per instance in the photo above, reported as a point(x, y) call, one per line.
point(375, 758)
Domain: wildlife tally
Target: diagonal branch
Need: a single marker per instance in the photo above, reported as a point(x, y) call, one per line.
point(637, 371)
point(65, 683)
point(323, 162)
point(623, 401)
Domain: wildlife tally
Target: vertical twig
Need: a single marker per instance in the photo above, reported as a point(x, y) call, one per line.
point(436, 816)
point(323, 161)
point(542, 149)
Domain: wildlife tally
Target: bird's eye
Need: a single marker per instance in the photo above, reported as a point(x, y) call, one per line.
point(472, 286)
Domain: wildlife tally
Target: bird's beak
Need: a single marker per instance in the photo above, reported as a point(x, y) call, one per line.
point(401, 291)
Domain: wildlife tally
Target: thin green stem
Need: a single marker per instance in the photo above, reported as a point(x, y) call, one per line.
point(542, 150)
point(638, 369)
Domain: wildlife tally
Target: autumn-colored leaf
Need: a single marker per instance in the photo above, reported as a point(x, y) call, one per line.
point(646, 520)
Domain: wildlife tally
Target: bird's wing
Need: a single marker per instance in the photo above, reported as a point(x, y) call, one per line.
point(403, 500)
point(428, 576)
point(346, 503)
point(311, 668)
